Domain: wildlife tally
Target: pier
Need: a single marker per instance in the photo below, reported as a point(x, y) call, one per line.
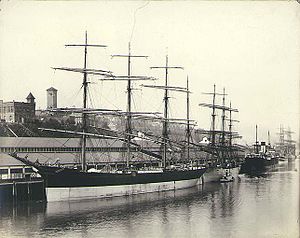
point(18, 191)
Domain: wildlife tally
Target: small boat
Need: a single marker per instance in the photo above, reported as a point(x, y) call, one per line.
point(227, 177)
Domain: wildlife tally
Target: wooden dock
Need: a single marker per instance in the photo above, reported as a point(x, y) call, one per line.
point(17, 191)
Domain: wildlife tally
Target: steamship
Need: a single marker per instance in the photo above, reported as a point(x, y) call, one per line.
point(259, 161)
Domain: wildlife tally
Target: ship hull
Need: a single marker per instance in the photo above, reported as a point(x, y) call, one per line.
point(258, 164)
point(66, 184)
point(55, 194)
point(64, 177)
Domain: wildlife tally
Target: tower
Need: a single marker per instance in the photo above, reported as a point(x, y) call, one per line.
point(30, 98)
point(51, 98)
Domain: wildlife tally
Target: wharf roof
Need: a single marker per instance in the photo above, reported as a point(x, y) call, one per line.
point(50, 142)
point(71, 158)
point(68, 157)
point(7, 160)
point(39, 142)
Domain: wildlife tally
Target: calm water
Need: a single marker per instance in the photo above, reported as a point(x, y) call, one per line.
point(249, 207)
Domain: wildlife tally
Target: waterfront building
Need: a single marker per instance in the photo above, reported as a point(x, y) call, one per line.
point(18, 112)
point(66, 152)
point(11, 169)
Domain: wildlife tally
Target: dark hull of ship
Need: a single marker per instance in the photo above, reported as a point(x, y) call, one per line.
point(64, 177)
point(66, 184)
point(258, 164)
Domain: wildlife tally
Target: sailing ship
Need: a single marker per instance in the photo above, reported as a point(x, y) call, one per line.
point(65, 183)
point(222, 154)
point(261, 159)
point(286, 146)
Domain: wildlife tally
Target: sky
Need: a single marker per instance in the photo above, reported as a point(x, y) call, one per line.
point(250, 48)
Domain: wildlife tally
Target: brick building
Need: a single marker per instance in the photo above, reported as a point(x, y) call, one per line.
point(18, 111)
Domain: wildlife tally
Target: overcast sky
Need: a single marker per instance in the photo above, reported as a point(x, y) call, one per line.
point(250, 48)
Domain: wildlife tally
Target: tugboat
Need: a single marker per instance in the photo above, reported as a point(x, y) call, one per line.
point(227, 177)
point(261, 159)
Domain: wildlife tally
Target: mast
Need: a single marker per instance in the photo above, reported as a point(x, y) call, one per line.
point(129, 97)
point(256, 141)
point(230, 128)
point(128, 129)
point(213, 140)
point(223, 126)
point(188, 133)
point(85, 83)
point(230, 133)
point(165, 124)
point(166, 102)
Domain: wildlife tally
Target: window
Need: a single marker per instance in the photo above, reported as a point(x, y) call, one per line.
point(3, 171)
point(19, 170)
point(28, 170)
point(16, 176)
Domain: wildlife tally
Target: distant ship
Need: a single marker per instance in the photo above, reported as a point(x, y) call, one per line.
point(66, 183)
point(259, 161)
point(286, 146)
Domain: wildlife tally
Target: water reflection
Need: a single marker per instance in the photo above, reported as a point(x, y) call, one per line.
point(264, 206)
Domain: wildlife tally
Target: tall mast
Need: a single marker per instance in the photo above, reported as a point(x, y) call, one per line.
point(230, 128)
point(188, 132)
point(223, 126)
point(269, 142)
point(230, 133)
point(213, 139)
point(85, 85)
point(129, 97)
point(166, 102)
point(165, 124)
point(128, 129)
point(256, 141)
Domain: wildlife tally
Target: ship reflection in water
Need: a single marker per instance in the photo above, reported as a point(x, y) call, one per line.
point(265, 206)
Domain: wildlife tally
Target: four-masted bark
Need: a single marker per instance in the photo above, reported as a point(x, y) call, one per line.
point(63, 183)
